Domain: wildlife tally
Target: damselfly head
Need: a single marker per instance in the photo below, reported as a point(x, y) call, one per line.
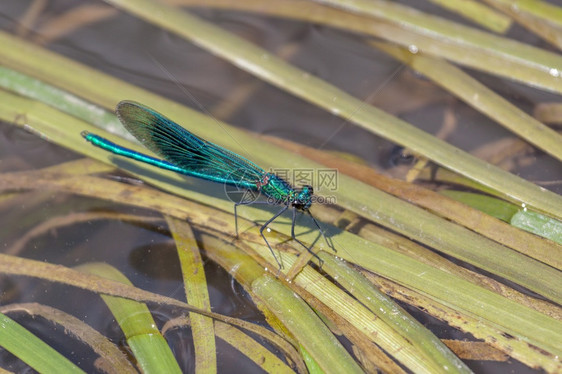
point(303, 198)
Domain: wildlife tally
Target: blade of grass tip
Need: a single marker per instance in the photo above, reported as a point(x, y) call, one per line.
point(33, 351)
point(530, 70)
point(477, 13)
point(197, 294)
point(524, 219)
point(298, 318)
point(480, 97)
point(150, 348)
point(110, 357)
point(500, 209)
point(251, 58)
point(311, 364)
point(538, 224)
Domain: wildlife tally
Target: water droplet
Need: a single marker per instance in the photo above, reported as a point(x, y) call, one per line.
point(554, 72)
point(413, 48)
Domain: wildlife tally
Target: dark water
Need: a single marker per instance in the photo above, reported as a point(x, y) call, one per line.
point(128, 48)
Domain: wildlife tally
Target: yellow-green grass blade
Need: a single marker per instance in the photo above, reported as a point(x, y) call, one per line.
point(301, 320)
point(143, 337)
point(110, 356)
point(541, 17)
point(33, 351)
point(543, 9)
point(195, 283)
point(311, 365)
point(480, 98)
point(392, 314)
point(477, 13)
point(33, 88)
point(256, 352)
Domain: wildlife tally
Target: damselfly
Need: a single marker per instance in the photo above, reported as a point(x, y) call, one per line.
point(188, 154)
